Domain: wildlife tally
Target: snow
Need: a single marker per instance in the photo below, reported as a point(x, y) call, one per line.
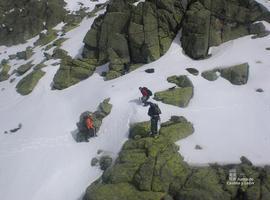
point(75, 5)
point(42, 160)
point(140, 1)
point(265, 3)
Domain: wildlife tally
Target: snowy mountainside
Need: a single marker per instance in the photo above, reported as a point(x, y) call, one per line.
point(42, 160)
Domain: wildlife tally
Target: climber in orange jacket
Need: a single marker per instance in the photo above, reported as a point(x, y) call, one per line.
point(91, 131)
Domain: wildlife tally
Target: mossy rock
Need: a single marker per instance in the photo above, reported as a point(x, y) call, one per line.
point(203, 184)
point(40, 66)
point(193, 71)
point(237, 75)
point(46, 38)
point(112, 75)
point(210, 75)
point(4, 74)
point(105, 107)
point(24, 68)
point(25, 55)
point(178, 96)
point(59, 42)
point(105, 162)
point(181, 81)
point(140, 130)
point(177, 130)
point(72, 71)
point(29, 82)
point(59, 53)
point(121, 191)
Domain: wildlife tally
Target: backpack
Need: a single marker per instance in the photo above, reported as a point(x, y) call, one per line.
point(149, 92)
point(154, 110)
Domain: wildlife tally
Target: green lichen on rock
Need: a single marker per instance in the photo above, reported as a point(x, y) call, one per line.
point(211, 22)
point(112, 75)
point(4, 74)
point(29, 82)
point(24, 68)
point(132, 34)
point(25, 55)
point(140, 130)
point(72, 71)
point(151, 168)
point(46, 38)
point(22, 19)
point(177, 96)
point(40, 65)
point(105, 107)
point(210, 75)
point(237, 75)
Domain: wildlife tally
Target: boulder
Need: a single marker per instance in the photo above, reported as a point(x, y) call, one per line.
point(27, 84)
point(105, 162)
point(237, 75)
point(4, 74)
point(193, 71)
point(210, 75)
point(72, 71)
point(24, 68)
point(25, 55)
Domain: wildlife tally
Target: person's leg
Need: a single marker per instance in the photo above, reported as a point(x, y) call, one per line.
point(155, 126)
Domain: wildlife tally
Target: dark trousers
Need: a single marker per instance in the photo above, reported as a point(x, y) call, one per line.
point(90, 133)
point(154, 125)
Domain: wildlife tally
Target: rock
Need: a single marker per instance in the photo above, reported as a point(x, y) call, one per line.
point(24, 68)
point(268, 48)
point(26, 85)
point(132, 34)
point(140, 129)
point(97, 116)
point(244, 160)
point(105, 162)
point(193, 71)
point(47, 56)
point(204, 185)
point(181, 81)
point(94, 162)
point(12, 56)
point(210, 75)
point(260, 90)
point(25, 55)
point(198, 147)
point(28, 19)
point(105, 107)
point(59, 42)
point(112, 75)
point(72, 71)
point(46, 38)
point(237, 75)
point(4, 74)
point(4, 62)
point(99, 151)
point(40, 66)
point(60, 54)
point(178, 97)
point(211, 22)
point(150, 71)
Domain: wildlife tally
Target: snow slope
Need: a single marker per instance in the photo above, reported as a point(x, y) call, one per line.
point(42, 161)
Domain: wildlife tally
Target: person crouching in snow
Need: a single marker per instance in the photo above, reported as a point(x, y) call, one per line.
point(91, 131)
point(146, 93)
point(154, 113)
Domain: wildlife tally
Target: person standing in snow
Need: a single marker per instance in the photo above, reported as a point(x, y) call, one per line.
point(154, 113)
point(89, 123)
point(146, 93)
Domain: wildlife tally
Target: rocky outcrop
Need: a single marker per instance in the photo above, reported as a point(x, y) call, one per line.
point(177, 96)
point(211, 22)
point(140, 34)
point(23, 19)
point(133, 34)
point(152, 169)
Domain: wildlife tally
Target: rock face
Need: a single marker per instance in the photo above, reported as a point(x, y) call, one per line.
point(133, 34)
point(140, 34)
point(22, 19)
point(152, 169)
point(211, 22)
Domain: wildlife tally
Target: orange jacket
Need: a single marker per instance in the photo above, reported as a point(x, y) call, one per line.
point(89, 123)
